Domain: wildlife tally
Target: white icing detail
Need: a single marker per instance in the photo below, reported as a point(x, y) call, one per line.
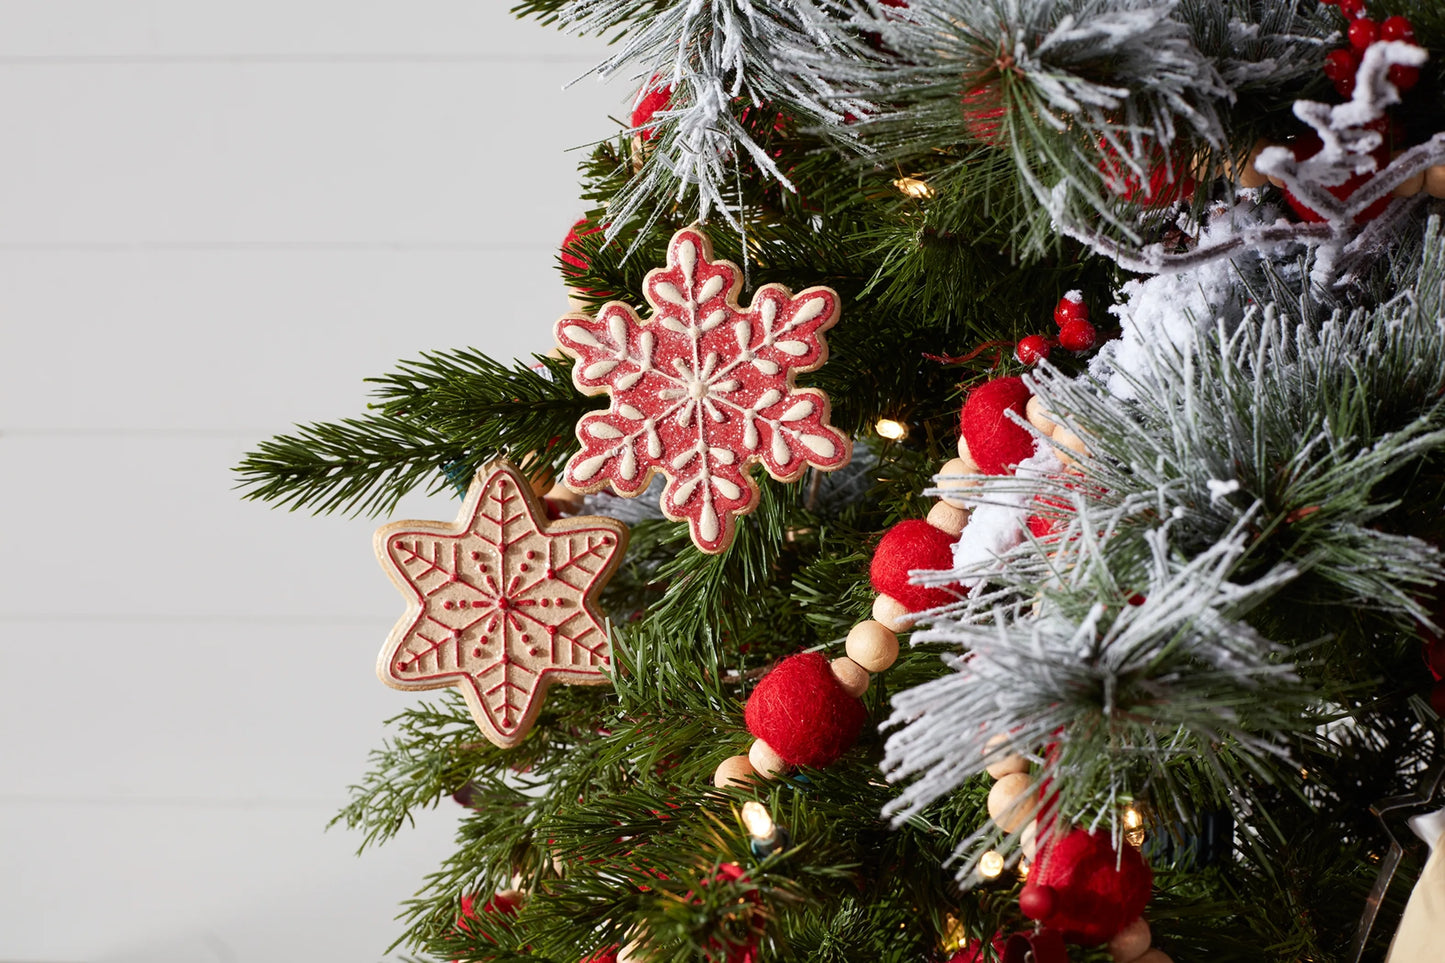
point(766, 367)
point(684, 459)
point(794, 348)
point(707, 523)
point(683, 492)
point(673, 324)
point(820, 445)
point(687, 258)
point(585, 469)
point(781, 455)
point(644, 351)
point(581, 335)
point(713, 320)
point(628, 466)
point(601, 429)
point(710, 288)
point(744, 332)
point(599, 369)
point(627, 380)
point(722, 456)
point(713, 411)
point(769, 311)
point(618, 328)
point(770, 397)
point(654, 440)
point(666, 291)
point(801, 409)
point(684, 415)
point(810, 310)
point(726, 487)
point(629, 412)
point(730, 384)
point(750, 433)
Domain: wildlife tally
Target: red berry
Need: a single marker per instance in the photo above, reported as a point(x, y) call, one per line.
point(1352, 8)
point(1363, 32)
point(1341, 65)
point(1404, 77)
point(1071, 307)
point(1033, 349)
point(1397, 28)
point(1038, 902)
point(1078, 336)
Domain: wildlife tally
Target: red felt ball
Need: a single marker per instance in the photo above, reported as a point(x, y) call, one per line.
point(650, 99)
point(1308, 145)
point(571, 254)
point(996, 442)
point(1071, 307)
point(909, 545)
point(1032, 349)
point(802, 712)
point(1352, 8)
point(1078, 336)
point(1038, 902)
point(983, 112)
point(1397, 28)
point(1363, 32)
point(1097, 893)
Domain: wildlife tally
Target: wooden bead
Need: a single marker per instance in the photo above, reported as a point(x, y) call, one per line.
point(1410, 187)
point(945, 517)
point(850, 675)
point(1276, 181)
point(1011, 763)
point(1002, 797)
point(1029, 839)
point(1435, 181)
point(1038, 415)
point(961, 482)
point(872, 645)
point(765, 761)
point(734, 771)
point(971, 466)
point(892, 614)
point(1072, 443)
point(1250, 176)
point(1131, 942)
point(566, 500)
point(1154, 956)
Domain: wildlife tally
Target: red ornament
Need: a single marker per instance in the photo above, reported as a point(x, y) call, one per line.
point(1032, 349)
point(1071, 307)
point(1397, 28)
point(1096, 892)
point(1043, 946)
point(1340, 67)
point(1167, 181)
point(1078, 336)
point(1038, 902)
point(909, 545)
point(996, 442)
point(1352, 8)
point(650, 99)
point(727, 951)
point(607, 954)
point(802, 712)
point(1363, 32)
point(1306, 146)
point(1403, 77)
point(982, 113)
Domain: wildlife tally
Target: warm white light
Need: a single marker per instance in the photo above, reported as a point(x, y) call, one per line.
point(1133, 826)
point(914, 187)
point(758, 820)
point(1024, 868)
point(990, 864)
point(890, 429)
point(955, 937)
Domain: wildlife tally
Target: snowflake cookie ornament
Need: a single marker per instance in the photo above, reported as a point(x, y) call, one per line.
point(500, 603)
point(702, 390)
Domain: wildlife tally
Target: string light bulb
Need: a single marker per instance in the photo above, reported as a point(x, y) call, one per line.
point(990, 864)
point(1133, 826)
point(913, 187)
point(955, 937)
point(890, 429)
point(767, 836)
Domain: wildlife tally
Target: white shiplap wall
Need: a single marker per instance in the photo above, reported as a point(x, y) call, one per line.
point(216, 218)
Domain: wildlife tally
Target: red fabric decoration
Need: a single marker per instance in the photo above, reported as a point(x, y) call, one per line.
point(996, 443)
point(571, 254)
point(983, 112)
point(605, 955)
point(909, 545)
point(1306, 146)
point(801, 710)
point(1093, 897)
point(1044, 946)
point(650, 100)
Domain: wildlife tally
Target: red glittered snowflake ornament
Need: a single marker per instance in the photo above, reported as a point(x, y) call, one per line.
point(499, 602)
point(701, 390)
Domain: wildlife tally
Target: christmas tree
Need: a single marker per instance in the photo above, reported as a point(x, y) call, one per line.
point(1093, 350)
